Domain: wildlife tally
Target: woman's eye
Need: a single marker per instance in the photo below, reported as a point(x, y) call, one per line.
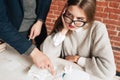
point(81, 19)
point(68, 14)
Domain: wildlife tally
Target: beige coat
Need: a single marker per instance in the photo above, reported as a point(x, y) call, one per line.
point(91, 43)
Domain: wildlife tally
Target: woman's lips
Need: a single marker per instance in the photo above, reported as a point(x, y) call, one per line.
point(70, 26)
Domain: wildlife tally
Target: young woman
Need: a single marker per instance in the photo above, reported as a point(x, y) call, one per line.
point(77, 37)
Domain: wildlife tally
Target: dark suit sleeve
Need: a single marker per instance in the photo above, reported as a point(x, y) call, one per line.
point(42, 9)
point(9, 33)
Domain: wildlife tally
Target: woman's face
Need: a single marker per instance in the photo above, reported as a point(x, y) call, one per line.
point(74, 17)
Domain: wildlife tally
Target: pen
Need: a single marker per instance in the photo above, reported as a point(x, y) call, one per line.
point(29, 39)
point(63, 75)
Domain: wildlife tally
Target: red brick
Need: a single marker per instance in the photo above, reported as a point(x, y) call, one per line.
point(98, 18)
point(117, 44)
point(111, 10)
point(100, 9)
point(59, 2)
point(117, 63)
point(116, 53)
point(57, 12)
point(49, 20)
point(114, 4)
point(60, 8)
point(54, 7)
point(117, 60)
point(50, 25)
point(118, 68)
point(112, 32)
point(118, 28)
point(51, 15)
point(110, 27)
point(51, 11)
point(119, 17)
point(114, 16)
point(119, 34)
point(103, 15)
point(114, 0)
point(102, 3)
point(117, 57)
point(112, 42)
point(115, 38)
point(110, 21)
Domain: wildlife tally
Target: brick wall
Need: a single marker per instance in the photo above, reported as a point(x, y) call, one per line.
point(108, 11)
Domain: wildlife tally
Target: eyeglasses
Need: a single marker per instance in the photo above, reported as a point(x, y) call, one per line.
point(78, 23)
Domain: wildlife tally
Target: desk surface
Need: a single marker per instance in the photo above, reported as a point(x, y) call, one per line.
point(14, 66)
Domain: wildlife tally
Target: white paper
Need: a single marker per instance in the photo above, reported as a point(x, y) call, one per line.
point(70, 74)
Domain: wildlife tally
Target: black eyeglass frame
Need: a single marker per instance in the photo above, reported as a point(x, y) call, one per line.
point(73, 21)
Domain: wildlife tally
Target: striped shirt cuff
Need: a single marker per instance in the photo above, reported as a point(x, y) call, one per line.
point(30, 50)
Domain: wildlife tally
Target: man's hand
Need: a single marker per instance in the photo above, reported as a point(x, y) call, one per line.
point(41, 60)
point(36, 29)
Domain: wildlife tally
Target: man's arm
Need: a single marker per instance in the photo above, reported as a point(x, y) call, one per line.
point(9, 33)
point(42, 9)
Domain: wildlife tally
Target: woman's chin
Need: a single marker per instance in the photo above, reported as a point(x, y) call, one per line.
point(72, 29)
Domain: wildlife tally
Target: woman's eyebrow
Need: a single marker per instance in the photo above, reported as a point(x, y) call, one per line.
point(82, 18)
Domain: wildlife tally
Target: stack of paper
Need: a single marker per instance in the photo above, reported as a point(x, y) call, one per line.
point(2, 46)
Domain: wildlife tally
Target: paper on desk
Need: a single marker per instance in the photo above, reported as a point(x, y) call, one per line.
point(76, 74)
point(72, 72)
point(43, 74)
point(39, 74)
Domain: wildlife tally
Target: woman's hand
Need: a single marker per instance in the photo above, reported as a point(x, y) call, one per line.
point(36, 29)
point(65, 29)
point(73, 58)
point(41, 60)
